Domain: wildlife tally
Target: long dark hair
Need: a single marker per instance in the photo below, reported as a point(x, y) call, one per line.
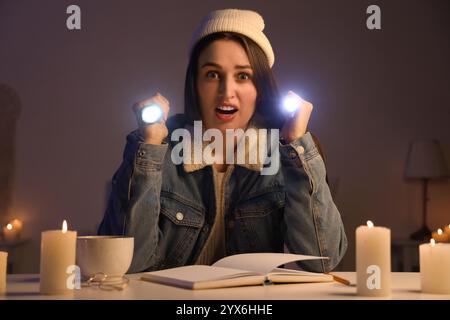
point(266, 113)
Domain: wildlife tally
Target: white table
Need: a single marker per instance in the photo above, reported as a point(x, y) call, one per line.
point(405, 286)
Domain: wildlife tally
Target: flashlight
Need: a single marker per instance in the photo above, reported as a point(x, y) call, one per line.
point(151, 114)
point(291, 102)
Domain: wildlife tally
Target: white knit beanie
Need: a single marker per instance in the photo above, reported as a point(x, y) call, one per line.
point(246, 22)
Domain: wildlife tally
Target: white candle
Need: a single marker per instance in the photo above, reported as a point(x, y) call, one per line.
point(3, 265)
point(57, 254)
point(435, 267)
point(373, 260)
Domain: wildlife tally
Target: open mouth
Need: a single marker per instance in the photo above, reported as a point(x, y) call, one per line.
point(226, 110)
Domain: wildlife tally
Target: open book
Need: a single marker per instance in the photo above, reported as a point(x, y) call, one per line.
point(238, 270)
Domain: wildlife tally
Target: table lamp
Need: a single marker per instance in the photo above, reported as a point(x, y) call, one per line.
point(425, 161)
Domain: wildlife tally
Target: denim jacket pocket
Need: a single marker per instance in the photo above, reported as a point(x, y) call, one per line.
point(259, 205)
point(180, 225)
point(257, 221)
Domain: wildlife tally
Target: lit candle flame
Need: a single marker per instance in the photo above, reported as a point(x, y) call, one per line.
point(9, 226)
point(432, 242)
point(440, 231)
point(64, 226)
point(369, 224)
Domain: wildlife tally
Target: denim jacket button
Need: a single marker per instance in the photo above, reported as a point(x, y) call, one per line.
point(300, 150)
point(141, 153)
point(179, 216)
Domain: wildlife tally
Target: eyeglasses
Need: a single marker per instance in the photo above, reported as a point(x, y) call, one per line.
point(101, 281)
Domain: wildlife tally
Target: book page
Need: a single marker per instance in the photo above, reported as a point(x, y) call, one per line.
point(197, 273)
point(289, 275)
point(203, 277)
point(297, 278)
point(295, 272)
point(262, 263)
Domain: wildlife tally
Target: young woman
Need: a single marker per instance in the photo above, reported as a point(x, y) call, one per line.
point(192, 213)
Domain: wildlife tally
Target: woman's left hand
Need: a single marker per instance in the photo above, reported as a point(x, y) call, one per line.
point(295, 126)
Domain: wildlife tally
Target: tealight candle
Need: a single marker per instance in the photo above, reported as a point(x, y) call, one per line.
point(57, 254)
point(435, 267)
point(3, 266)
point(9, 233)
point(373, 260)
point(439, 236)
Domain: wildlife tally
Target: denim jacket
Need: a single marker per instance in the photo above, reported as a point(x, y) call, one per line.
point(170, 211)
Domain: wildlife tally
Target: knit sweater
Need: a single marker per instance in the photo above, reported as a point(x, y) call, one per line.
point(214, 248)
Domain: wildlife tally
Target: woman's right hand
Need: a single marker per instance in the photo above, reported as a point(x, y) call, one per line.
point(153, 133)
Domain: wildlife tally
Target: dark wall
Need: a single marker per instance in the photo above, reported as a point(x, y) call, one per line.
point(373, 91)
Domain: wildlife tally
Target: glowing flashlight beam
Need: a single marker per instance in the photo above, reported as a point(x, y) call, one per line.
point(151, 114)
point(291, 102)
